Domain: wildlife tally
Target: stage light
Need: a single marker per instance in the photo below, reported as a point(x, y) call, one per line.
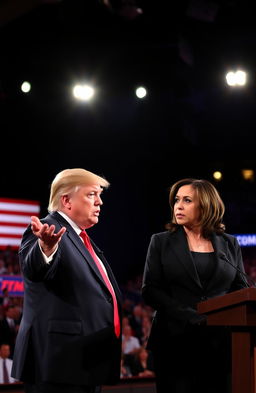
point(25, 87)
point(248, 174)
point(141, 92)
point(83, 92)
point(237, 78)
point(217, 175)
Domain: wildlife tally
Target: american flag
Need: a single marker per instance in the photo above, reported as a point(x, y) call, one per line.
point(14, 218)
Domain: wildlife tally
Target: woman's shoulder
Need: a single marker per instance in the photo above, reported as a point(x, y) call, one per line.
point(231, 239)
point(164, 235)
point(227, 236)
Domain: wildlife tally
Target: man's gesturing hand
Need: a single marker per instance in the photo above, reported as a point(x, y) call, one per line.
point(48, 239)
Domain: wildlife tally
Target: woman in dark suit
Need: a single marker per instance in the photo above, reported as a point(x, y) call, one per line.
point(185, 265)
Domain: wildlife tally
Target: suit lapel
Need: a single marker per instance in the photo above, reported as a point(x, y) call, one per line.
point(74, 238)
point(180, 247)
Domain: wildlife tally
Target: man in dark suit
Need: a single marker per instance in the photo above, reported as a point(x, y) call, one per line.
point(69, 339)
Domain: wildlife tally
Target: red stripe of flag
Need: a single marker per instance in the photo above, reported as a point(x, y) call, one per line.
point(13, 224)
point(18, 213)
point(11, 235)
point(25, 201)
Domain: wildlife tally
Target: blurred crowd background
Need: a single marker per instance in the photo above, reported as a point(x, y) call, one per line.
point(137, 317)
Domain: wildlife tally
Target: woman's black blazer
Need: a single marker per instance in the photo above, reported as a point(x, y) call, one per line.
point(172, 286)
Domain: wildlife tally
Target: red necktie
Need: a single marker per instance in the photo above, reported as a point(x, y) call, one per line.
point(88, 245)
point(5, 373)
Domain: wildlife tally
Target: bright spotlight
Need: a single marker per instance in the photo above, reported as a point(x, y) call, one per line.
point(141, 92)
point(241, 78)
point(83, 92)
point(25, 87)
point(217, 175)
point(237, 78)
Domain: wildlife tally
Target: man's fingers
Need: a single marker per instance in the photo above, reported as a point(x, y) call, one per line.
point(61, 232)
point(44, 231)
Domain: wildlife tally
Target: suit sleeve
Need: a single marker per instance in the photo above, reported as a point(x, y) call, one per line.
point(157, 295)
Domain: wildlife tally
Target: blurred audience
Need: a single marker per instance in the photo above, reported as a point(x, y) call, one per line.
point(142, 364)
point(5, 300)
point(136, 322)
point(3, 269)
point(5, 364)
point(130, 343)
point(8, 327)
point(125, 371)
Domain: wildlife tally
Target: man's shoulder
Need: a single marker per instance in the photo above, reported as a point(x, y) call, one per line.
point(54, 218)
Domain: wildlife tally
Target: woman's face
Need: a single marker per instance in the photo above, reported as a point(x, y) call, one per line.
point(186, 207)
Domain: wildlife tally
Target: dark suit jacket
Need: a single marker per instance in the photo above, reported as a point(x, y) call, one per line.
point(66, 333)
point(171, 284)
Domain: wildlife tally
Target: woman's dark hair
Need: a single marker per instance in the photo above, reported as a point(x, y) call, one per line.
point(211, 206)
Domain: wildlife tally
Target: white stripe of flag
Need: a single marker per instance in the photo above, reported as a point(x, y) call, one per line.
point(11, 230)
point(19, 207)
point(12, 218)
point(15, 216)
point(9, 241)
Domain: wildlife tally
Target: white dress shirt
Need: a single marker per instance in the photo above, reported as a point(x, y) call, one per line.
point(8, 363)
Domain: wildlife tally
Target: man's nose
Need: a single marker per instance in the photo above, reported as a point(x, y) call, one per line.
point(99, 201)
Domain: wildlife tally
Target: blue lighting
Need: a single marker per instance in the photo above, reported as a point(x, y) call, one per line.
point(246, 240)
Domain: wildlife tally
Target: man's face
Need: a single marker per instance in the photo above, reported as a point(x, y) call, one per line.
point(4, 351)
point(83, 206)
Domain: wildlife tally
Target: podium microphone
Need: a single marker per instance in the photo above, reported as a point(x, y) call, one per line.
point(246, 278)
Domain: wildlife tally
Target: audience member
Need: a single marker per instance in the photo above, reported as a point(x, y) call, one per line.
point(3, 269)
point(125, 371)
point(130, 343)
point(5, 364)
point(8, 331)
point(145, 327)
point(142, 364)
point(136, 320)
point(5, 301)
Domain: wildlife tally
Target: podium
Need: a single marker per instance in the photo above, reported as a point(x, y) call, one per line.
point(238, 311)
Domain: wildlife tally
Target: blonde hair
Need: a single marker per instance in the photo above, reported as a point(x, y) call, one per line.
point(68, 181)
point(211, 205)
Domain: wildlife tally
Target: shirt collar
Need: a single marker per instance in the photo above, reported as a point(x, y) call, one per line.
point(72, 223)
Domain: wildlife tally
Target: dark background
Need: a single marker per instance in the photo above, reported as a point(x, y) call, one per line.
point(190, 124)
